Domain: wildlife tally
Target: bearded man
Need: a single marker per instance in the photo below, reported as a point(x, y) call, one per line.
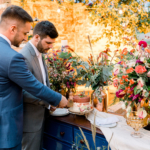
point(44, 35)
point(15, 24)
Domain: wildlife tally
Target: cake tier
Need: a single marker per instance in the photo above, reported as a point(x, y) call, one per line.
point(79, 99)
point(81, 107)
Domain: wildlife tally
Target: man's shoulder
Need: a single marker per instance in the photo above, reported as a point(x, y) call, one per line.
point(25, 51)
point(5, 50)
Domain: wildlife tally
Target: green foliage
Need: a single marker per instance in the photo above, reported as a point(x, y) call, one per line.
point(61, 70)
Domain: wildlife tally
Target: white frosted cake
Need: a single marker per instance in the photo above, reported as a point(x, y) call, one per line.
point(81, 107)
point(81, 104)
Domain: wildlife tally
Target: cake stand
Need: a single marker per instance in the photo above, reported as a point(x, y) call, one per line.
point(79, 112)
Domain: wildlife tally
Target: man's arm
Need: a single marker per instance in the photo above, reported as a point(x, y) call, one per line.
point(29, 98)
point(19, 73)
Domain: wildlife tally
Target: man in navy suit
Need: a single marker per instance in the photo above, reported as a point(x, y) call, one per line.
point(14, 75)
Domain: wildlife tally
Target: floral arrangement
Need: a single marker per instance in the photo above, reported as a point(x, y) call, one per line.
point(60, 69)
point(82, 94)
point(132, 75)
point(96, 71)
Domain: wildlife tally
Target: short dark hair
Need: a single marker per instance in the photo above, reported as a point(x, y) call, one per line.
point(45, 28)
point(16, 12)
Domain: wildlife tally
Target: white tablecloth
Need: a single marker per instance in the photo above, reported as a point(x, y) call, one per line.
point(122, 139)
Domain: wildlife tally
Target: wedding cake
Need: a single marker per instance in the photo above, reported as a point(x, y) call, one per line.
point(81, 103)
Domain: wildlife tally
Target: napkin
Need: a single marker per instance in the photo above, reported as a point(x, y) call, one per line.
point(106, 121)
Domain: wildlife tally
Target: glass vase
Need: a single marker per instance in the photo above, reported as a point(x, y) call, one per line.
point(100, 106)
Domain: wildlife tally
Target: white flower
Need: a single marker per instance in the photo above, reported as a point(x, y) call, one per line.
point(142, 58)
point(145, 93)
point(128, 110)
point(141, 113)
point(116, 66)
point(123, 70)
point(116, 69)
point(140, 83)
point(136, 53)
point(131, 63)
point(123, 106)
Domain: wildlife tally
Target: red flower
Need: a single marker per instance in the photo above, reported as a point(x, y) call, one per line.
point(142, 43)
point(140, 69)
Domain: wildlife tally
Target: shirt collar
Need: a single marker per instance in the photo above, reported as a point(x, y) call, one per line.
point(5, 38)
point(35, 49)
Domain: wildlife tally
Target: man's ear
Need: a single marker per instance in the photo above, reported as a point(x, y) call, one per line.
point(37, 38)
point(13, 29)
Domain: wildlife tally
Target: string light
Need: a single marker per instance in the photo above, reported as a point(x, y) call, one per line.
point(58, 10)
point(120, 11)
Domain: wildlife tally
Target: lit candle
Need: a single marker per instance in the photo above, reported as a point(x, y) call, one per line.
point(64, 43)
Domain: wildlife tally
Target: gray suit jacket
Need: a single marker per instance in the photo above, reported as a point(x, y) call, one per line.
point(34, 108)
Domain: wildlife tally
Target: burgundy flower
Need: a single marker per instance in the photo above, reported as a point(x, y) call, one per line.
point(138, 61)
point(119, 62)
point(132, 95)
point(140, 99)
point(135, 96)
point(142, 43)
point(120, 93)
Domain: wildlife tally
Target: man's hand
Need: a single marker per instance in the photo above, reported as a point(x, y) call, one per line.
point(63, 102)
point(52, 108)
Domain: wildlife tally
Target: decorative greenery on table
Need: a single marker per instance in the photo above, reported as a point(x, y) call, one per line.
point(96, 71)
point(61, 70)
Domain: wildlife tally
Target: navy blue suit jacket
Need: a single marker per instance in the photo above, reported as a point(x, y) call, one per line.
point(14, 76)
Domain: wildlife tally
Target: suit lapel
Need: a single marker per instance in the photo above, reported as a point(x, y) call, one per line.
point(45, 67)
point(36, 61)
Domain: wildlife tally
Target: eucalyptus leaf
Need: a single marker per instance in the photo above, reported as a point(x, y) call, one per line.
point(138, 91)
point(85, 64)
point(135, 90)
point(146, 94)
point(88, 83)
point(81, 82)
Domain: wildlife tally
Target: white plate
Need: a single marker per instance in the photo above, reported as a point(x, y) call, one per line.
point(60, 112)
point(109, 125)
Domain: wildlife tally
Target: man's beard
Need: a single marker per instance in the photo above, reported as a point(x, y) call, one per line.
point(40, 47)
point(16, 41)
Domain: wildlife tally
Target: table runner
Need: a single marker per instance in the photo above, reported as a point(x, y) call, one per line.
point(121, 139)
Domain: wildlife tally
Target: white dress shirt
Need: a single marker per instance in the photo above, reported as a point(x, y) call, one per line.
point(5, 38)
point(39, 56)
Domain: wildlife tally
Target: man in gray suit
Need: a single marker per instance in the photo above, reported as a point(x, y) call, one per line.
point(44, 35)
